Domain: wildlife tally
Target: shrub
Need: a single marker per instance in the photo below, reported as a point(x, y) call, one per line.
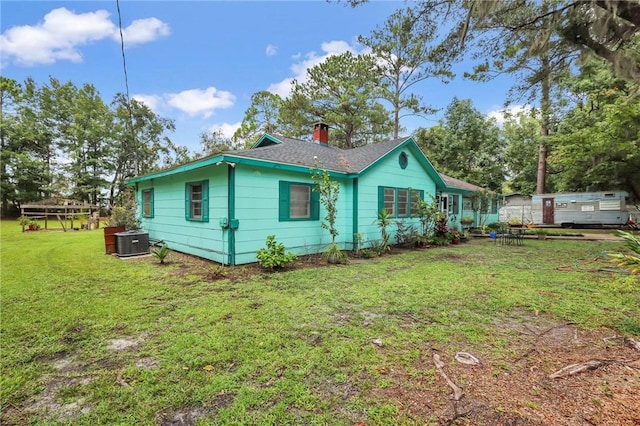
point(442, 228)
point(274, 255)
point(406, 235)
point(629, 260)
point(124, 216)
point(334, 255)
point(161, 253)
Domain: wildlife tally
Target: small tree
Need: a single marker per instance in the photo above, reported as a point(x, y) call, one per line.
point(384, 221)
point(125, 214)
point(427, 213)
point(329, 191)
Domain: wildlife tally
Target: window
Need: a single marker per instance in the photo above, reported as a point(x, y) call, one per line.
point(415, 197)
point(467, 204)
point(147, 203)
point(197, 201)
point(399, 202)
point(403, 159)
point(444, 202)
point(494, 206)
point(403, 202)
point(298, 201)
point(390, 201)
point(454, 205)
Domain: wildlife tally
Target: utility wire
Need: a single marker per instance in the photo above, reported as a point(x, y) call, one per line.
point(126, 76)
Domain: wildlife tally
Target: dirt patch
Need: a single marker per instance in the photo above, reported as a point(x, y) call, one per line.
point(209, 271)
point(511, 386)
point(189, 416)
point(61, 399)
point(117, 345)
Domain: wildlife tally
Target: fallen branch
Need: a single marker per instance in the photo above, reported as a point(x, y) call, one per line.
point(572, 369)
point(466, 358)
point(632, 343)
point(457, 391)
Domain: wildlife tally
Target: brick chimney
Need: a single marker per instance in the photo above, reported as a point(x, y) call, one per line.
point(321, 133)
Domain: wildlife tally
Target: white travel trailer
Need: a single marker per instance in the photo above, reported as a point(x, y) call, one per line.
point(605, 208)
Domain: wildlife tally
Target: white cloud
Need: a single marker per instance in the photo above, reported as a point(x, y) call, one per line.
point(311, 59)
point(200, 102)
point(226, 129)
point(271, 50)
point(154, 102)
point(62, 32)
point(500, 114)
point(143, 31)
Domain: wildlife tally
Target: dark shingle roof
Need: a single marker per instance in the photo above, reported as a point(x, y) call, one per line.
point(459, 184)
point(304, 153)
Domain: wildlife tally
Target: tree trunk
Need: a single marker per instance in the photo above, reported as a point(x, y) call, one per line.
point(545, 104)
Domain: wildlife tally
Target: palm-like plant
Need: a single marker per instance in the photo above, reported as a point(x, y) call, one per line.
point(161, 253)
point(384, 221)
point(632, 242)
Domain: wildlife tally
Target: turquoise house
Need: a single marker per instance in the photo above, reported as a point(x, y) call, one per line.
point(223, 207)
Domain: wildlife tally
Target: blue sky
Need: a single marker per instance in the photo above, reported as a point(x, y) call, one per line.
point(199, 62)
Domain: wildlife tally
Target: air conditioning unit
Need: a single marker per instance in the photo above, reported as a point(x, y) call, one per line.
point(132, 243)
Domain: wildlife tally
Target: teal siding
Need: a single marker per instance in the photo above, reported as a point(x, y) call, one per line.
point(259, 198)
point(388, 173)
point(204, 239)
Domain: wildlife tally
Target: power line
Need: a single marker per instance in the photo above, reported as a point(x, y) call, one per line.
point(124, 59)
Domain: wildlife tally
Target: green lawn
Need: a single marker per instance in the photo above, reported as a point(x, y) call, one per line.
point(297, 347)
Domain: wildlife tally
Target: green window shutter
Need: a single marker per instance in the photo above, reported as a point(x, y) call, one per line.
point(283, 204)
point(205, 200)
point(315, 205)
point(187, 201)
point(152, 197)
point(380, 199)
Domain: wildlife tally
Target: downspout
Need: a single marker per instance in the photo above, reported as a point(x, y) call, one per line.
point(355, 215)
point(231, 213)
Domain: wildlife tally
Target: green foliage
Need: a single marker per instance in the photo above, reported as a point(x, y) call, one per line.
point(632, 261)
point(405, 58)
point(60, 139)
point(161, 253)
point(522, 134)
point(274, 256)
point(427, 212)
point(466, 145)
point(262, 116)
point(406, 234)
point(329, 191)
point(467, 220)
point(383, 222)
point(127, 214)
point(343, 92)
point(214, 142)
point(597, 146)
point(332, 254)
